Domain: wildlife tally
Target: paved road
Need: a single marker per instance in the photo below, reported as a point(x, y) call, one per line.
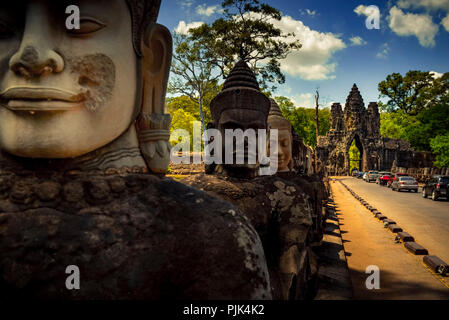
point(426, 220)
point(367, 243)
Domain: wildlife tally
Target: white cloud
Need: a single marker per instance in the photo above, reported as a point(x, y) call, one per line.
point(308, 12)
point(363, 10)
point(384, 50)
point(427, 4)
point(313, 60)
point(305, 100)
point(207, 11)
point(410, 24)
point(435, 74)
point(357, 41)
point(184, 27)
point(445, 23)
point(186, 3)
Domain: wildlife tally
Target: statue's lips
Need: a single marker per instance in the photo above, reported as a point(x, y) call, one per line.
point(40, 99)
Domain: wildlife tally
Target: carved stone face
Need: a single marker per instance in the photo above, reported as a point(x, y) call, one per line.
point(284, 149)
point(284, 154)
point(64, 93)
point(241, 119)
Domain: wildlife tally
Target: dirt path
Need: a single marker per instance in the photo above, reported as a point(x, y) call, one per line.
point(367, 242)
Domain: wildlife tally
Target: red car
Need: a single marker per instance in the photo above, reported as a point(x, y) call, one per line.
point(384, 179)
point(396, 178)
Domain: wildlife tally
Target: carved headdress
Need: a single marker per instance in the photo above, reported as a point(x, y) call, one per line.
point(275, 118)
point(143, 12)
point(240, 91)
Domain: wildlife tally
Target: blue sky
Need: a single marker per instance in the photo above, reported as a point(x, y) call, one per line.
point(338, 50)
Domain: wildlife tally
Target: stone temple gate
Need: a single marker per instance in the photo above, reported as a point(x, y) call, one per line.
point(357, 123)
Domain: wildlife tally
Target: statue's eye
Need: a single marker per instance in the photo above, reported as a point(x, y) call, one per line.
point(87, 25)
point(5, 31)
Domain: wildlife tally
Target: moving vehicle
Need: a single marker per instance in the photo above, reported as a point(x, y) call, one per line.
point(396, 177)
point(383, 179)
point(405, 183)
point(372, 176)
point(436, 187)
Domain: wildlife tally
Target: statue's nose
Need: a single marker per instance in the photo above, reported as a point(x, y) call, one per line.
point(36, 55)
point(31, 61)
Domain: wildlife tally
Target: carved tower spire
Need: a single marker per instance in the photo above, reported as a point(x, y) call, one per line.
point(355, 110)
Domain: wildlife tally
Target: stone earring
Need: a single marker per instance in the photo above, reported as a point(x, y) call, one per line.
point(153, 131)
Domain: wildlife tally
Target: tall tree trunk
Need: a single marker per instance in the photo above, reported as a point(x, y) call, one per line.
point(200, 104)
point(317, 97)
point(203, 124)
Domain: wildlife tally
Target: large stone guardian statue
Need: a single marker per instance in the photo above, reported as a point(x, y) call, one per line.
point(311, 184)
point(81, 129)
point(278, 209)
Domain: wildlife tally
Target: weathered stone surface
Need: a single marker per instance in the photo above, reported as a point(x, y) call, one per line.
point(363, 125)
point(405, 237)
point(153, 239)
point(280, 212)
point(415, 248)
point(394, 228)
point(436, 264)
point(316, 189)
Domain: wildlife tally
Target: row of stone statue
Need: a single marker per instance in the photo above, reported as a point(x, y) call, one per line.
point(83, 145)
point(286, 209)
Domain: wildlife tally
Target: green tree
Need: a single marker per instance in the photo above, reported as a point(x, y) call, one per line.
point(417, 129)
point(192, 73)
point(303, 119)
point(246, 32)
point(413, 92)
point(440, 147)
point(182, 119)
point(354, 157)
point(185, 103)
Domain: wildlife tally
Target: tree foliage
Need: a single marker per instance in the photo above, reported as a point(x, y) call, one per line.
point(413, 92)
point(418, 112)
point(182, 120)
point(303, 119)
point(440, 147)
point(192, 72)
point(354, 157)
point(417, 129)
point(246, 32)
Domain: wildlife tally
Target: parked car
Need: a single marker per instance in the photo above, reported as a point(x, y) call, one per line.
point(365, 175)
point(396, 177)
point(405, 183)
point(437, 187)
point(383, 179)
point(355, 173)
point(381, 173)
point(360, 175)
point(372, 176)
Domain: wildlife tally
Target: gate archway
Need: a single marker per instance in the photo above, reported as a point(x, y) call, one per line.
point(353, 158)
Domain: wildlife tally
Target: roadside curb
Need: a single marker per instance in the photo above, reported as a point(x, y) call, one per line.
point(434, 264)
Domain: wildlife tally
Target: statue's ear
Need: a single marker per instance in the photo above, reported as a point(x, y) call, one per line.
point(153, 126)
point(157, 46)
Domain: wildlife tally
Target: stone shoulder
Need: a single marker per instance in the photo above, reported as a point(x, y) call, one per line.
point(177, 241)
